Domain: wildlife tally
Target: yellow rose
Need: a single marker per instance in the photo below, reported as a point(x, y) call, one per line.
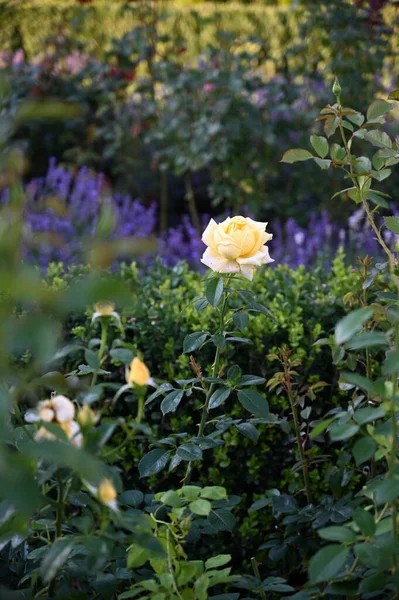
point(106, 492)
point(138, 373)
point(104, 309)
point(236, 245)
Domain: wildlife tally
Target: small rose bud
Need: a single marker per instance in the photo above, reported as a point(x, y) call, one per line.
point(86, 417)
point(336, 89)
point(106, 492)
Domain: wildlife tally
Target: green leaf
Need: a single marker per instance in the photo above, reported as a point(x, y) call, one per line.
point(55, 558)
point(189, 452)
point(193, 341)
point(351, 324)
point(132, 498)
point(330, 126)
point(171, 401)
point(357, 119)
point(320, 427)
point(214, 492)
point(394, 95)
point(218, 397)
point(214, 290)
point(296, 155)
point(191, 492)
point(337, 534)
point(365, 521)
point(254, 403)
point(222, 520)
point(392, 223)
point(385, 491)
point(92, 359)
point(391, 363)
point(368, 414)
point(378, 138)
point(217, 561)
point(363, 450)
point(377, 109)
point(137, 556)
point(376, 582)
point(241, 320)
point(219, 340)
point(320, 145)
point(339, 433)
point(323, 163)
point(327, 563)
point(153, 462)
point(359, 381)
point(200, 507)
point(248, 430)
point(366, 340)
point(249, 380)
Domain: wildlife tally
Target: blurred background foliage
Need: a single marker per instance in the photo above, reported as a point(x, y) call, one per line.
point(189, 107)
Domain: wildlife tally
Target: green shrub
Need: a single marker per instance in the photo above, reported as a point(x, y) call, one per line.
point(306, 304)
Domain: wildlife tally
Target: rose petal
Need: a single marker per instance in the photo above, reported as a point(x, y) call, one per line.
point(63, 408)
point(208, 235)
point(218, 263)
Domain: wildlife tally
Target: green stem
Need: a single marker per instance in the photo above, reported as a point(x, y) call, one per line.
point(132, 433)
point(255, 569)
point(301, 451)
point(60, 508)
point(392, 259)
point(103, 345)
point(215, 371)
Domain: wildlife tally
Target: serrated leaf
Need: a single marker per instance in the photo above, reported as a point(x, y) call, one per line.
point(320, 145)
point(323, 163)
point(171, 401)
point(330, 126)
point(248, 430)
point(200, 507)
point(377, 109)
point(222, 520)
point(193, 341)
point(296, 155)
point(254, 402)
point(189, 452)
point(218, 397)
point(153, 462)
point(214, 291)
point(378, 138)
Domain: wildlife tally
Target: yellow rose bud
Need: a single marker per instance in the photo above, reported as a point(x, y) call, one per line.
point(138, 373)
point(236, 245)
point(106, 492)
point(86, 417)
point(104, 309)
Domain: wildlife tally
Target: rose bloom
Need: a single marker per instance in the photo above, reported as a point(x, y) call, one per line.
point(236, 245)
point(59, 410)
